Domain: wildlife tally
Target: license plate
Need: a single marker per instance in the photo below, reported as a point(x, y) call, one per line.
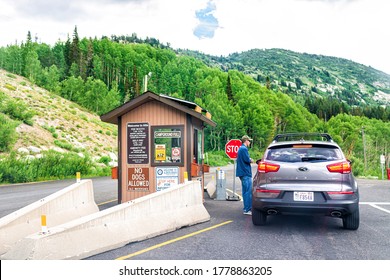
point(303, 196)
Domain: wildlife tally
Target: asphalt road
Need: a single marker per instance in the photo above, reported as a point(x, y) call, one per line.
point(230, 235)
point(14, 197)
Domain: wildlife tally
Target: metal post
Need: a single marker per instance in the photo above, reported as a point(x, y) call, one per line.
point(234, 196)
point(364, 151)
point(220, 184)
point(383, 171)
point(382, 160)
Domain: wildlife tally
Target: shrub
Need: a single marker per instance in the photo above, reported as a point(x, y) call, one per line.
point(8, 134)
point(84, 117)
point(10, 87)
point(18, 110)
point(52, 165)
point(63, 144)
point(218, 158)
point(11, 75)
point(105, 159)
point(49, 128)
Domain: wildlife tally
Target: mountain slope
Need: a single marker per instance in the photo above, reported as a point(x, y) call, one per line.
point(303, 75)
point(56, 123)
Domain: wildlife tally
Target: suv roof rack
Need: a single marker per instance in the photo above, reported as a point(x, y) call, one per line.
point(301, 137)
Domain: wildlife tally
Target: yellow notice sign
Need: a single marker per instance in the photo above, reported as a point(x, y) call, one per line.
point(160, 152)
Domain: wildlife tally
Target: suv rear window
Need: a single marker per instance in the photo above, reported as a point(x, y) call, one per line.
point(303, 152)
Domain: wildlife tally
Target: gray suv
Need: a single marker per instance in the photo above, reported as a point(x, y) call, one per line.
point(308, 174)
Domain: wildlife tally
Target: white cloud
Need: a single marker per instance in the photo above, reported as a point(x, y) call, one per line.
point(352, 29)
point(208, 23)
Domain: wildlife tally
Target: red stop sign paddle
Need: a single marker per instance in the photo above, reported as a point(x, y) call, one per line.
point(231, 148)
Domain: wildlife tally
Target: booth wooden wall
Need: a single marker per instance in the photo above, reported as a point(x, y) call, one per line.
point(157, 111)
point(154, 113)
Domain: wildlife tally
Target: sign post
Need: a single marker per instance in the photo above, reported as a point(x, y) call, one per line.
point(231, 150)
point(383, 161)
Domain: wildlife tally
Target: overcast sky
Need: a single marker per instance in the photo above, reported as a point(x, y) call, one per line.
point(353, 29)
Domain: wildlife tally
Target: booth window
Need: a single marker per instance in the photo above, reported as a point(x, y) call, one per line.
point(167, 145)
point(197, 146)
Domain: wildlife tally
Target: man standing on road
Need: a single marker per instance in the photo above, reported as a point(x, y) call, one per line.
point(244, 172)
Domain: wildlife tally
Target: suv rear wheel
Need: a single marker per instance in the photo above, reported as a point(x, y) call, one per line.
point(351, 221)
point(259, 218)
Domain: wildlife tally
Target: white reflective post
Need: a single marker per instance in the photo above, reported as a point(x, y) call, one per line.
point(234, 196)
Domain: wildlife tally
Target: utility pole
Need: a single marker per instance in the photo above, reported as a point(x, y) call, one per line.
point(364, 151)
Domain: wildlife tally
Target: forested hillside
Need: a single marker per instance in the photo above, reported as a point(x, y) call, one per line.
point(44, 136)
point(318, 82)
point(100, 74)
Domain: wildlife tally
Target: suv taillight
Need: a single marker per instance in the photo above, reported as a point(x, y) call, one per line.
point(340, 194)
point(340, 167)
point(262, 193)
point(266, 167)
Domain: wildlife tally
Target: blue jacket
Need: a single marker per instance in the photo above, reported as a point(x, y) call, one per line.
point(243, 167)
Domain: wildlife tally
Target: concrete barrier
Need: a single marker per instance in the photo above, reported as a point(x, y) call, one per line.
point(63, 206)
point(211, 188)
point(135, 220)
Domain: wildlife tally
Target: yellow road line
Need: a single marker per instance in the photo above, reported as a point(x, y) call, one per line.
point(171, 241)
point(107, 202)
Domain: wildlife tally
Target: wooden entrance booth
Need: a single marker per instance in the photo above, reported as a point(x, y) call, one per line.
point(160, 140)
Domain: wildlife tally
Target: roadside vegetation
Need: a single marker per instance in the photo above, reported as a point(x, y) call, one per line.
point(98, 75)
point(52, 165)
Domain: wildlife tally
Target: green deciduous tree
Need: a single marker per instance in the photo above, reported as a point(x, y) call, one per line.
point(33, 69)
point(72, 88)
point(52, 79)
point(101, 74)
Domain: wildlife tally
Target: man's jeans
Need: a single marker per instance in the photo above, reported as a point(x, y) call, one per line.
point(246, 182)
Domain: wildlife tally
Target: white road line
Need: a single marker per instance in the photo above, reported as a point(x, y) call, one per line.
point(379, 203)
point(380, 208)
point(375, 205)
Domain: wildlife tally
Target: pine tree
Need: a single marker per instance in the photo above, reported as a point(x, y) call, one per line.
point(90, 59)
point(75, 49)
point(229, 91)
point(267, 82)
point(67, 56)
point(26, 50)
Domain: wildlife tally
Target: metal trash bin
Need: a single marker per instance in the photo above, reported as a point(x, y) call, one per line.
point(220, 184)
